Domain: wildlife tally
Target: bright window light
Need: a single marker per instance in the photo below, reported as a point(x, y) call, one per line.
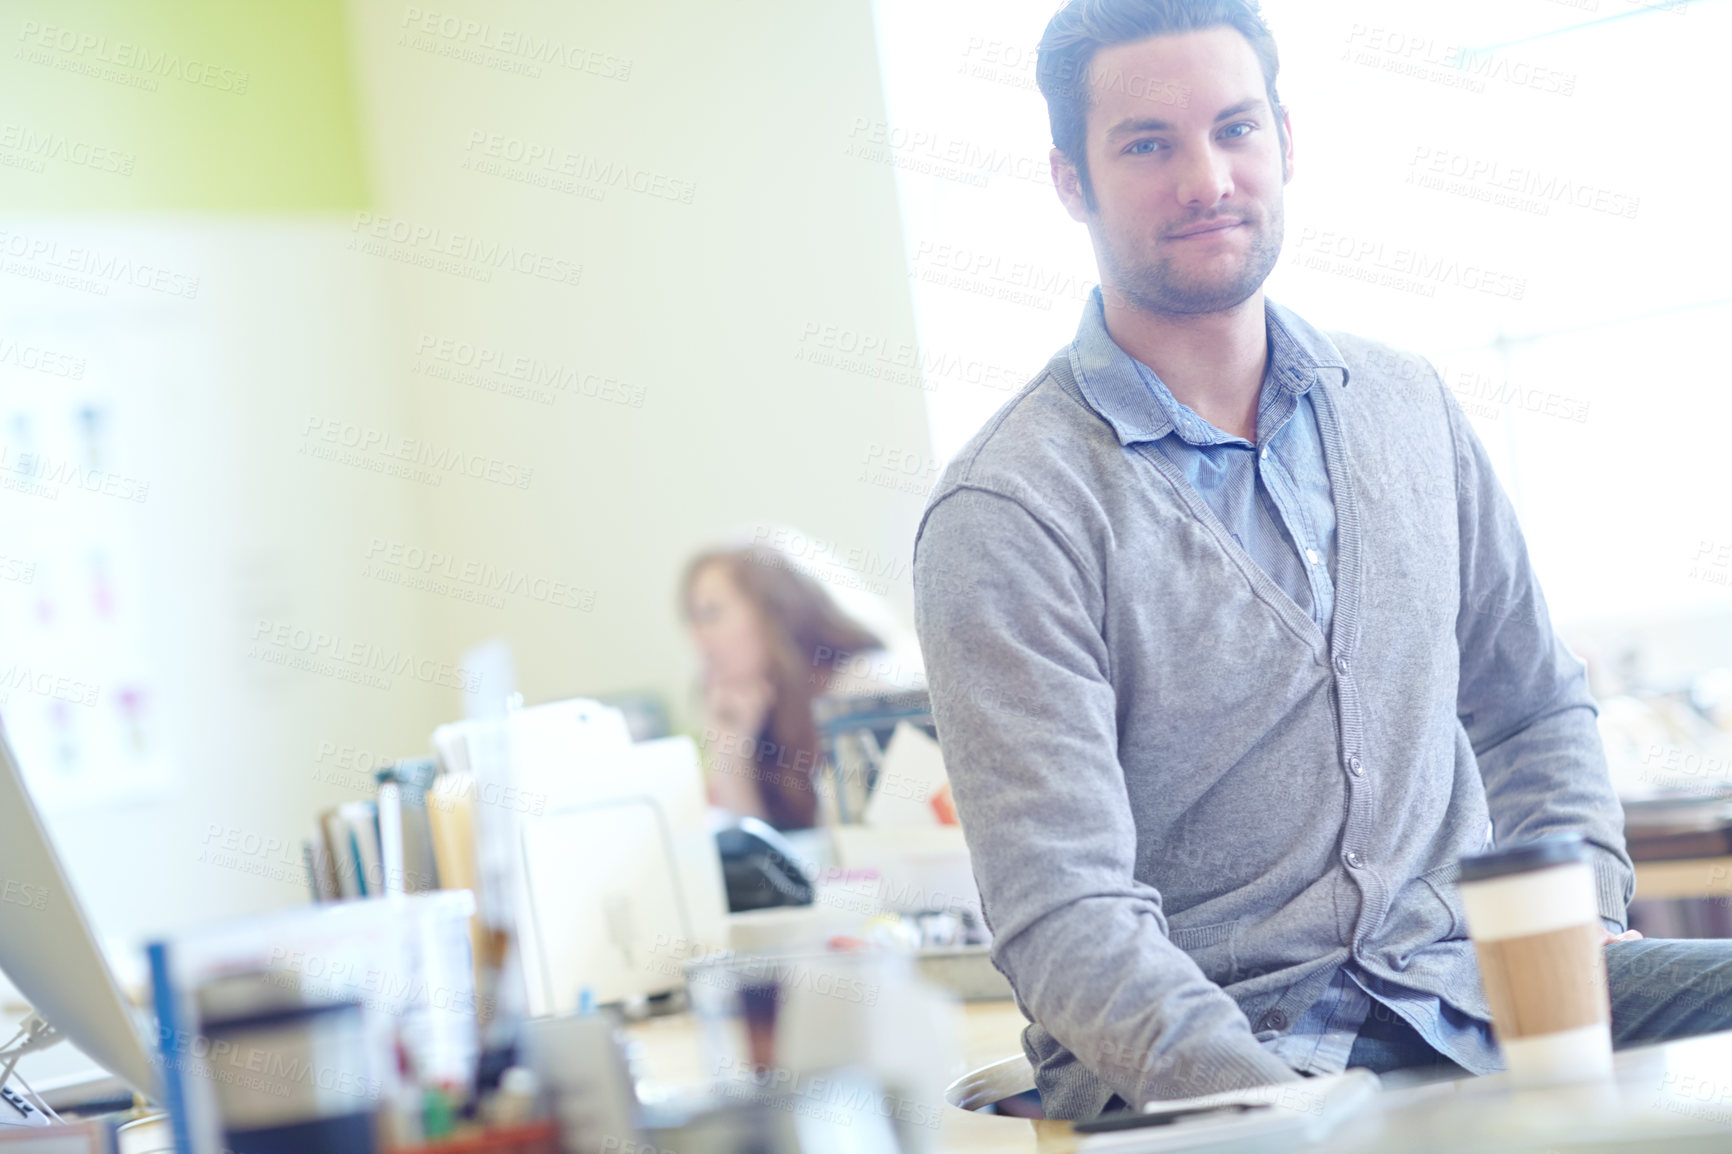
point(1521, 190)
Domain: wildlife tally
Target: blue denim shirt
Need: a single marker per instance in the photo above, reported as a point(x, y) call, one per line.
point(1274, 497)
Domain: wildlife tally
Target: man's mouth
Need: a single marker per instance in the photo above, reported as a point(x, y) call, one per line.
point(1205, 228)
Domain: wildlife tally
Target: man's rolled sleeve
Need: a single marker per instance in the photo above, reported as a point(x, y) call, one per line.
point(1523, 697)
point(1009, 615)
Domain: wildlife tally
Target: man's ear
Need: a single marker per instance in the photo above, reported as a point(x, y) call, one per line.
point(1287, 149)
point(1069, 185)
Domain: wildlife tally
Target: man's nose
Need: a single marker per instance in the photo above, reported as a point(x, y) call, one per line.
point(1204, 178)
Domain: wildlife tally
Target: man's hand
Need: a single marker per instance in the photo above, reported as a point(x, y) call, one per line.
point(1627, 936)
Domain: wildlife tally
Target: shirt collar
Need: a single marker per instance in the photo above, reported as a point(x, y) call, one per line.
point(1139, 406)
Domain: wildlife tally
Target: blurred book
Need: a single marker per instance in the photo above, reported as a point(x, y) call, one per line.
point(403, 803)
point(352, 843)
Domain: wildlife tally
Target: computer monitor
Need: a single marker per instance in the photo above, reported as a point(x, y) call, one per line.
point(46, 947)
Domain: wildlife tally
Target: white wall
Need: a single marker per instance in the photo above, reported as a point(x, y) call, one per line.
point(696, 314)
point(700, 310)
point(239, 527)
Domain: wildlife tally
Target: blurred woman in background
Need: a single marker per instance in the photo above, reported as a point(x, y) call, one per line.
point(771, 638)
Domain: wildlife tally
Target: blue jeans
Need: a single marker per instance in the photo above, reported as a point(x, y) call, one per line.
point(1661, 989)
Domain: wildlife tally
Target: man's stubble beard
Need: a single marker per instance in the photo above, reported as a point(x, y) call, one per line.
point(1157, 287)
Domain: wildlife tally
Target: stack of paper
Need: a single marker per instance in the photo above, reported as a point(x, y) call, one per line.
point(912, 787)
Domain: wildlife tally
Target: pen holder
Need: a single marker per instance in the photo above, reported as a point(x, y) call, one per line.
point(534, 1138)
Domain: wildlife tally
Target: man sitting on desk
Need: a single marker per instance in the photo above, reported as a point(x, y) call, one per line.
point(1234, 644)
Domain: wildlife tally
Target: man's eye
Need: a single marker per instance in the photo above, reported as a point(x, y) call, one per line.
point(1235, 131)
point(1143, 147)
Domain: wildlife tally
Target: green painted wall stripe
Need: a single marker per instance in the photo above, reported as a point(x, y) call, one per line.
point(178, 105)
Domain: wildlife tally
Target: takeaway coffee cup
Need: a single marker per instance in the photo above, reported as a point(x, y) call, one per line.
point(1535, 924)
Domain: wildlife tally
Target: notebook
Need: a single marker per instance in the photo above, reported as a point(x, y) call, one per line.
point(1290, 1113)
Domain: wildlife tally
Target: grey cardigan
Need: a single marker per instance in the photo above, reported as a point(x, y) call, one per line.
point(1186, 806)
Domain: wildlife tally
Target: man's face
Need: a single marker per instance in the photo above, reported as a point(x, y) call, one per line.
point(1187, 164)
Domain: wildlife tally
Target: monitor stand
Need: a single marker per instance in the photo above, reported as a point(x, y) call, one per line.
point(19, 1104)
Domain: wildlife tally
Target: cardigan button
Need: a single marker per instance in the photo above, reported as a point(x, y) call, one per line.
point(1354, 860)
point(1355, 767)
point(1274, 1020)
point(1341, 663)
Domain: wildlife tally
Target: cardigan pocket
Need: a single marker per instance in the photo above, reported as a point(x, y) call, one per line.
point(1441, 881)
point(1211, 947)
point(1425, 911)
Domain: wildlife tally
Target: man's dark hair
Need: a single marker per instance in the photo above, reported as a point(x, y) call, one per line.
point(1063, 66)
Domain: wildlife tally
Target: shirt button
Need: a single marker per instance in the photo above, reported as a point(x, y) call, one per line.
point(1274, 1020)
point(1311, 554)
point(1340, 663)
point(1264, 454)
point(1354, 767)
point(1354, 860)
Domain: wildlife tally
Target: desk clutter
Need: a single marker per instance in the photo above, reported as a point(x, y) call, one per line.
point(1682, 847)
point(481, 929)
point(1669, 752)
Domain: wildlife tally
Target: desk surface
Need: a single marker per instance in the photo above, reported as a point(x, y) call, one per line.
point(1672, 1097)
point(672, 1054)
